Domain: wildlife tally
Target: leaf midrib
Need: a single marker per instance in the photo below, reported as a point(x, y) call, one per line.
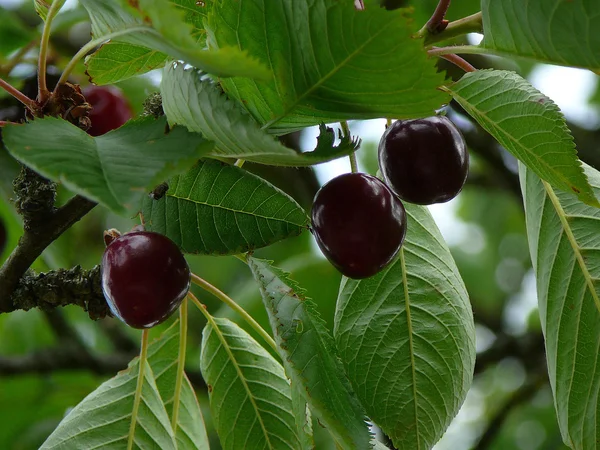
point(573, 241)
point(326, 77)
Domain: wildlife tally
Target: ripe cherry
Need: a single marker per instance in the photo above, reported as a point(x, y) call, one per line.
point(144, 278)
point(358, 223)
point(110, 109)
point(424, 161)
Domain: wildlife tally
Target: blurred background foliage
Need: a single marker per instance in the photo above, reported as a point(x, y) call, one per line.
point(50, 361)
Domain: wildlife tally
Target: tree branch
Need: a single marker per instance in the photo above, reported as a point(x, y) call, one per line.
point(32, 244)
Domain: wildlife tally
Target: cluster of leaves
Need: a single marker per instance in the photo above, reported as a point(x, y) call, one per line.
point(402, 350)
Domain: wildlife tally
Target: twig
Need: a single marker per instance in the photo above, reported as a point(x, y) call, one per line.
point(33, 243)
point(520, 396)
point(437, 23)
point(29, 103)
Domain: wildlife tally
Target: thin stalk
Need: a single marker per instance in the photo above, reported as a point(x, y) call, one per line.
point(237, 308)
point(436, 22)
point(138, 389)
point(43, 93)
point(93, 44)
point(239, 163)
point(183, 313)
point(29, 103)
point(456, 49)
point(459, 62)
point(351, 156)
point(388, 122)
point(469, 24)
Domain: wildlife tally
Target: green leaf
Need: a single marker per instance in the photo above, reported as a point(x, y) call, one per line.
point(42, 7)
point(250, 397)
point(308, 351)
point(526, 123)
point(103, 418)
point(407, 338)
point(194, 13)
point(13, 34)
point(201, 106)
point(159, 25)
point(162, 356)
point(303, 418)
point(329, 62)
point(117, 61)
point(552, 31)
point(102, 168)
point(216, 208)
point(564, 242)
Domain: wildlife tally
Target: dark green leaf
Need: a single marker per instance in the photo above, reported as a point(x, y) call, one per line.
point(526, 123)
point(202, 107)
point(329, 61)
point(116, 169)
point(309, 355)
point(407, 338)
point(160, 26)
point(117, 61)
point(250, 397)
point(552, 31)
point(220, 209)
point(13, 34)
point(564, 241)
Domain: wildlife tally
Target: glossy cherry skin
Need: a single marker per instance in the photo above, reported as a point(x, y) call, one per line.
point(110, 109)
point(144, 278)
point(358, 223)
point(424, 161)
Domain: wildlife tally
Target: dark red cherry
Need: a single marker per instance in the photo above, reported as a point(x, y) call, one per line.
point(358, 223)
point(110, 109)
point(424, 161)
point(144, 278)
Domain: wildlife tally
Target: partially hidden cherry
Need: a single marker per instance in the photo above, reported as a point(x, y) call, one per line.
point(144, 278)
point(358, 223)
point(424, 161)
point(110, 109)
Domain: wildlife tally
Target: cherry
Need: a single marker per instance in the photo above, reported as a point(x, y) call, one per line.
point(110, 109)
point(358, 223)
point(424, 161)
point(144, 278)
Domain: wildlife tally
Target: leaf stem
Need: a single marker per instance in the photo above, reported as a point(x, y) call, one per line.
point(43, 93)
point(455, 49)
point(139, 387)
point(237, 308)
point(459, 62)
point(469, 24)
point(93, 44)
point(183, 315)
point(29, 103)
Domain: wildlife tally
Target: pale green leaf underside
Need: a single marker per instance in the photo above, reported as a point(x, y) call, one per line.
point(309, 355)
point(102, 419)
point(162, 356)
point(552, 31)
point(202, 107)
point(116, 169)
point(117, 61)
point(329, 62)
point(216, 208)
point(407, 338)
point(250, 397)
point(526, 123)
point(168, 33)
point(564, 240)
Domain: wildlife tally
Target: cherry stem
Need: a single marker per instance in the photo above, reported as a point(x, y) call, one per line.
point(43, 92)
point(459, 62)
point(239, 163)
point(138, 389)
point(388, 122)
point(233, 305)
point(436, 23)
point(454, 49)
point(183, 314)
point(29, 103)
point(91, 45)
point(351, 156)
point(469, 24)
